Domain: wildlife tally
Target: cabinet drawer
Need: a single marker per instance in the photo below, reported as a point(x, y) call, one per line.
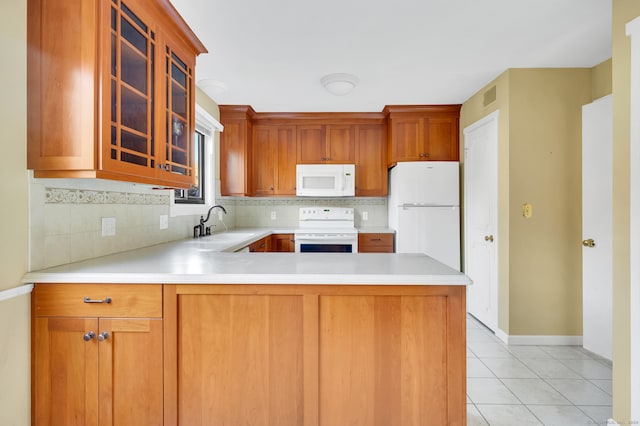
point(375, 240)
point(126, 300)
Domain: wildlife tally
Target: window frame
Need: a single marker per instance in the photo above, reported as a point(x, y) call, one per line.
point(208, 126)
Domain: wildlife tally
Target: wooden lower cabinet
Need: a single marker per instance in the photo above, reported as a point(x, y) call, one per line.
point(283, 243)
point(316, 355)
point(375, 242)
point(82, 376)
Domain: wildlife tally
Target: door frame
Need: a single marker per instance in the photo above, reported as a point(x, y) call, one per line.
point(633, 32)
point(488, 120)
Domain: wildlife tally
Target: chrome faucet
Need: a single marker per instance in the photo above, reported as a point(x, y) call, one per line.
point(198, 230)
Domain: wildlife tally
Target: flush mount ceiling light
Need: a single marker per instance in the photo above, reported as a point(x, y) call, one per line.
point(212, 87)
point(339, 84)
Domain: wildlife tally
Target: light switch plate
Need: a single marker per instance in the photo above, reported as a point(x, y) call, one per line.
point(164, 221)
point(108, 226)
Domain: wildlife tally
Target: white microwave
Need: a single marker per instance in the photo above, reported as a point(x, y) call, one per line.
point(325, 180)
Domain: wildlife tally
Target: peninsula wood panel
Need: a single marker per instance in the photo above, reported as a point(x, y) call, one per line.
point(316, 354)
point(240, 360)
point(383, 361)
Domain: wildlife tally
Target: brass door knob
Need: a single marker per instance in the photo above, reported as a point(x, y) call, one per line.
point(488, 238)
point(589, 243)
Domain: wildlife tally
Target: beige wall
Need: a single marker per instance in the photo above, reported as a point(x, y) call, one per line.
point(545, 170)
point(601, 79)
point(539, 161)
point(623, 12)
point(14, 313)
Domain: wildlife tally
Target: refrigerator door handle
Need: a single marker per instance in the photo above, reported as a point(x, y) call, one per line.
point(407, 206)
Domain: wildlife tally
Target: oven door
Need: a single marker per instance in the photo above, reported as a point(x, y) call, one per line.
point(326, 243)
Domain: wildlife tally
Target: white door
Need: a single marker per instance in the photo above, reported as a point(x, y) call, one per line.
point(481, 218)
point(597, 216)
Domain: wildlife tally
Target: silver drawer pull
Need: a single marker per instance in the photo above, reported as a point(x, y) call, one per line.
point(89, 300)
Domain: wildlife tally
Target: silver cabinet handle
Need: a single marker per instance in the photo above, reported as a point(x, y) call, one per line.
point(88, 336)
point(103, 336)
point(90, 300)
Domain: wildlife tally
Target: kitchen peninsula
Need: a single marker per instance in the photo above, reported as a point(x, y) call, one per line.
point(188, 333)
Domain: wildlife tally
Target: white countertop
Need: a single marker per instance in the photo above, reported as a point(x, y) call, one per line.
point(210, 260)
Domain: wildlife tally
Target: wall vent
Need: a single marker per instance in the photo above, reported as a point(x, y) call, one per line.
point(489, 96)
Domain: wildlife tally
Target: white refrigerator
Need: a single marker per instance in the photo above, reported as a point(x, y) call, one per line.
point(424, 209)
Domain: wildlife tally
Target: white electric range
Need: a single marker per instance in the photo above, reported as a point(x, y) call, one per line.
point(326, 230)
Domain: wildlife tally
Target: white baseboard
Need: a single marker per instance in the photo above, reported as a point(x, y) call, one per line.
point(539, 340)
point(502, 336)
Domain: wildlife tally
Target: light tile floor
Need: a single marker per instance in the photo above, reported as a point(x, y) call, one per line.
point(534, 385)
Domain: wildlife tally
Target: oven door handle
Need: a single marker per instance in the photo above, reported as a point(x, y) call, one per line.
point(326, 237)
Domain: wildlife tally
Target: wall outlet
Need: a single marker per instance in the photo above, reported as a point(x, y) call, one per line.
point(108, 226)
point(527, 210)
point(365, 215)
point(220, 215)
point(164, 221)
point(273, 215)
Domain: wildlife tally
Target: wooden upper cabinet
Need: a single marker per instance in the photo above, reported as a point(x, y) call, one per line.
point(340, 144)
point(111, 91)
point(311, 144)
point(423, 133)
point(235, 149)
point(274, 160)
point(371, 161)
point(331, 143)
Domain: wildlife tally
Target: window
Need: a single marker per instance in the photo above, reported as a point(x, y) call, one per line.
point(195, 194)
point(198, 198)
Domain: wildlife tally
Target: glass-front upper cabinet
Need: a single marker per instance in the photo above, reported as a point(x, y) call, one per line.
point(111, 91)
point(132, 92)
point(179, 150)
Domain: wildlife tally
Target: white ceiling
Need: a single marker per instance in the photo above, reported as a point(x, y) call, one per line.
point(272, 54)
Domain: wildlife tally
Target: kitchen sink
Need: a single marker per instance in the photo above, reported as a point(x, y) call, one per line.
point(236, 236)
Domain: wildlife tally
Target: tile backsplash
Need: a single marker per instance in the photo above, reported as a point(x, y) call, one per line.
point(258, 212)
point(65, 223)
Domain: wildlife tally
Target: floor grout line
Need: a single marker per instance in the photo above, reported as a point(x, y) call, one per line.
point(553, 354)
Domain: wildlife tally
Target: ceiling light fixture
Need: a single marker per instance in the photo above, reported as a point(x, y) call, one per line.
point(339, 84)
point(212, 87)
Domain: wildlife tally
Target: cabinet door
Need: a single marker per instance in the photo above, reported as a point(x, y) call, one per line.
point(234, 152)
point(61, 94)
point(282, 243)
point(264, 151)
point(340, 145)
point(130, 131)
point(285, 161)
point(311, 144)
point(407, 139)
point(65, 371)
point(240, 360)
point(131, 372)
point(441, 139)
point(177, 154)
point(371, 161)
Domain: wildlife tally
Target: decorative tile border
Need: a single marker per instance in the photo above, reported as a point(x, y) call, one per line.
point(333, 202)
point(83, 196)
